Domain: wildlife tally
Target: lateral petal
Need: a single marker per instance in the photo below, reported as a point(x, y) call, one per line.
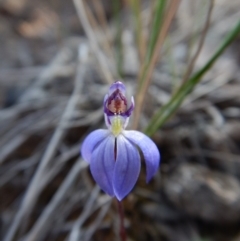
point(126, 169)
point(149, 149)
point(91, 142)
point(102, 164)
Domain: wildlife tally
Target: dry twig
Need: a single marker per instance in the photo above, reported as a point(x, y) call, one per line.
point(91, 36)
point(42, 225)
point(161, 37)
point(33, 191)
point(201, 42)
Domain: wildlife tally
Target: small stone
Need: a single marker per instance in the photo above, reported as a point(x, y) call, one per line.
point(203, 193)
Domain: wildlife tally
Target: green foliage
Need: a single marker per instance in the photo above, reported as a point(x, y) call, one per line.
point(174, 103)
point(157, 24)
point(156, 28)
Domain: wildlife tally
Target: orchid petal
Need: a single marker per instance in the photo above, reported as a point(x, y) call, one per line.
point(91, 142)
point(127, 167)
point(102, 164)
point(131, 107)
point(117, 85)
point(149, 149)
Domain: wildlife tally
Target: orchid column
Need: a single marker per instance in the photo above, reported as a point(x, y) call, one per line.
point(113, 153)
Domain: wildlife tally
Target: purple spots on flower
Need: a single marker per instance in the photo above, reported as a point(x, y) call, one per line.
point(113, 153)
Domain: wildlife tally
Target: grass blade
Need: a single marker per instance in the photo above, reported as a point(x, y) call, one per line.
point(168, 109)
point(147, 70)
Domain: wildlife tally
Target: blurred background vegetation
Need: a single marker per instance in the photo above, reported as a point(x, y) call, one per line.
point(179, 58)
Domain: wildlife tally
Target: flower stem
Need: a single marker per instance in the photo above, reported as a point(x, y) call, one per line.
point(122, 231)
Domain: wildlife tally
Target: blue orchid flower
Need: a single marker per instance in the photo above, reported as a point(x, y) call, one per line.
point(113, 154)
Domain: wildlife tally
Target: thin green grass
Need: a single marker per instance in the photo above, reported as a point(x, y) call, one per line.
point(157, 24)
point(136, 9)
point(174, 103)
point(156, 29)
point(161, 26)
point(172, 66)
